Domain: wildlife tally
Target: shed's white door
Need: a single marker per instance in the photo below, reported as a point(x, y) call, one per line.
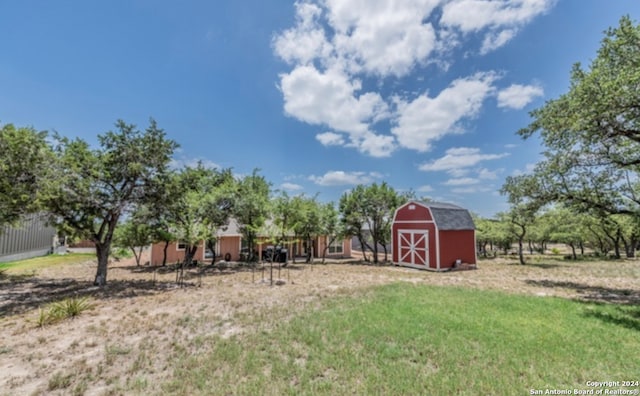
point(413, 247)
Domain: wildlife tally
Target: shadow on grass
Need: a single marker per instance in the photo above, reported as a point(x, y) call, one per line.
point(543, 266)
point(615, 306)
point(592, 293)
point(369, 263)
point(32, 293)
point(628, 317)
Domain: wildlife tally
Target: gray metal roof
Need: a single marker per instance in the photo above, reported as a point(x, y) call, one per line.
point(449, 216)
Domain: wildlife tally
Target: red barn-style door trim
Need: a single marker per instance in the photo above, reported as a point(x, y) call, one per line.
point(413, 248)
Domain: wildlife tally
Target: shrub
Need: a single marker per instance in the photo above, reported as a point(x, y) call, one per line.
point(59, 381)
point(555, 251)
point(120, 253)
point(70, 307)
point(60, 310)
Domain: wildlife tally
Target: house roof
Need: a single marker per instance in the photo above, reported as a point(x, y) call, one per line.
point(232, 229)
point(449, 216)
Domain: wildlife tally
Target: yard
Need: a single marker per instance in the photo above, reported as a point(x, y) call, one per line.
point(339, 328)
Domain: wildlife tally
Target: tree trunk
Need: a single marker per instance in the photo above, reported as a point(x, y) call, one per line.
point(386, 254)
point(137, 255)
point(294, 249)
point(309, 250)
point(327, 242)
point(616, 244)
point(629, 247)
point(102, 253)
point(164, 253)
point(520, 241)
point(375, 252)
point(211, 245)
point(573, 251)
point(362, 247)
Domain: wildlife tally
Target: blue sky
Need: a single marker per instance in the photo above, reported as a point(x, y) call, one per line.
point(320, 95)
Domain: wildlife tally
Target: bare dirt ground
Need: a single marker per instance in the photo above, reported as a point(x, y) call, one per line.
point(142, 313)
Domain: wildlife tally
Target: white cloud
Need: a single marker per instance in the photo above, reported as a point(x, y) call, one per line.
point(459, 158)
point(475, 15)
point(306, 41)
point(382, 37)
point(499, 20)
point(459, 172)
point(470, 190)
point(425, 189)
point(375, 145)
point(528, 168)
point(464, 181)
point(426, 119)
point(330, 139)
point(330, 98)
point(486, 174)
point(496, 40)
point(291, 186)
point(517, 96)
point(340, 178)
point(346, 57)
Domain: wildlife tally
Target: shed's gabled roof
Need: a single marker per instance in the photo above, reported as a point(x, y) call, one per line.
point(449, 216)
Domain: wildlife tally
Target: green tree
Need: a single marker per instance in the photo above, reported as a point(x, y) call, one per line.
point(522, 213)
point(251, 209)
point(592, 132)
point(133, 235)
point(283, 214)
point(93, 188)
point(203, 201)
point(307, 223)
point(25, 157)
point(566, 226)
point(353, 217)
point(330, 226)
point(367, 212)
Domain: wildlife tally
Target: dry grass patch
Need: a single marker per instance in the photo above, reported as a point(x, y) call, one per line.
point(143, 323)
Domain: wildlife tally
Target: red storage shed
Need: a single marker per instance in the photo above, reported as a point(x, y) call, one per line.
point(432, 236)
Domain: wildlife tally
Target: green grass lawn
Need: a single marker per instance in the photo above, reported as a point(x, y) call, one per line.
point(404, 339)
point(46, 261)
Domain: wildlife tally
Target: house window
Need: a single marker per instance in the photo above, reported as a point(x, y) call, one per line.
point(181, 245)
point(336, 246)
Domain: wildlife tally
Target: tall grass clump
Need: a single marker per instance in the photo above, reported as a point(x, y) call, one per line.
point(61, 310)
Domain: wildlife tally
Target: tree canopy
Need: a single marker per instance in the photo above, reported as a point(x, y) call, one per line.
point(252, 209)
point(592, 132)
point(93, 188)
point(25, 158)
point(367, 213)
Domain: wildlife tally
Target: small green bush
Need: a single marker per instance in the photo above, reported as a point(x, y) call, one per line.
point(61, 310)
point(71, 307)
point(555, 251)
point(120, 253)
point(59, 381)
